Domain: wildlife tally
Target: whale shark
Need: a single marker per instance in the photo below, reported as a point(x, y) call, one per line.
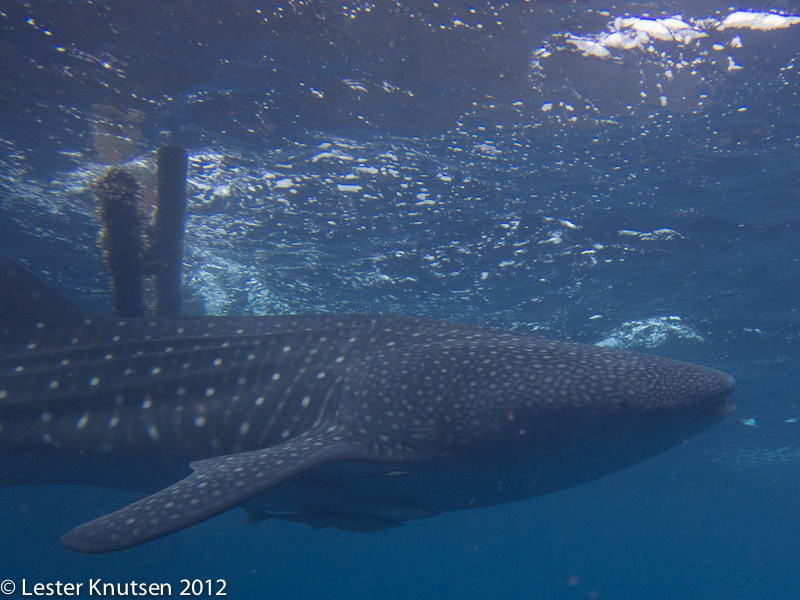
point(352, 421)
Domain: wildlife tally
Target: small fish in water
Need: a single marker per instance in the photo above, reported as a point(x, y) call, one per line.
point(359, 422)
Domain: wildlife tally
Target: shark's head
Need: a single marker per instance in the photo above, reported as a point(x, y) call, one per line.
point(455, 389)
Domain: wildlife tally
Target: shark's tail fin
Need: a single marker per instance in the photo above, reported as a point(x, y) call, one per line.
point(31, 312)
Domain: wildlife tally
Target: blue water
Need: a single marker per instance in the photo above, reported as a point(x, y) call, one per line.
point(480, 163)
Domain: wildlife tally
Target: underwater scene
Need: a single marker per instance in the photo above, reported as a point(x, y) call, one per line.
point(386, 204)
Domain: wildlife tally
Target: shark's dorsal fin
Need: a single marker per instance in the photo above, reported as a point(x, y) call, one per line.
point(31, 310)
point(217, 485)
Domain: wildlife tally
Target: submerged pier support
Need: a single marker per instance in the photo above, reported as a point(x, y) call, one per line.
point(167, 242)
point(123, 235)
point(117, 195)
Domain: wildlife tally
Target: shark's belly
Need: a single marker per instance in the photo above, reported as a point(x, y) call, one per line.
point(365, 496)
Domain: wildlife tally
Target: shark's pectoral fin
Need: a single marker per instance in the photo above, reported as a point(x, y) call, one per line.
point(217, 484)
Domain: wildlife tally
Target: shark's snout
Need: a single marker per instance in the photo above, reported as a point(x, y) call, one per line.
point(716, 406)
point(722, 383)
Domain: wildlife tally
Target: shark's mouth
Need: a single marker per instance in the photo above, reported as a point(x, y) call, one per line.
point(715, 412)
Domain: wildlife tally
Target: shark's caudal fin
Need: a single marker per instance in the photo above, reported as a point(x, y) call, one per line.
point(31, 311)
point(217, 485)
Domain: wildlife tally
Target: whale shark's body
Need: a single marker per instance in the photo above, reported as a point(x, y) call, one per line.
point(359, 422)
